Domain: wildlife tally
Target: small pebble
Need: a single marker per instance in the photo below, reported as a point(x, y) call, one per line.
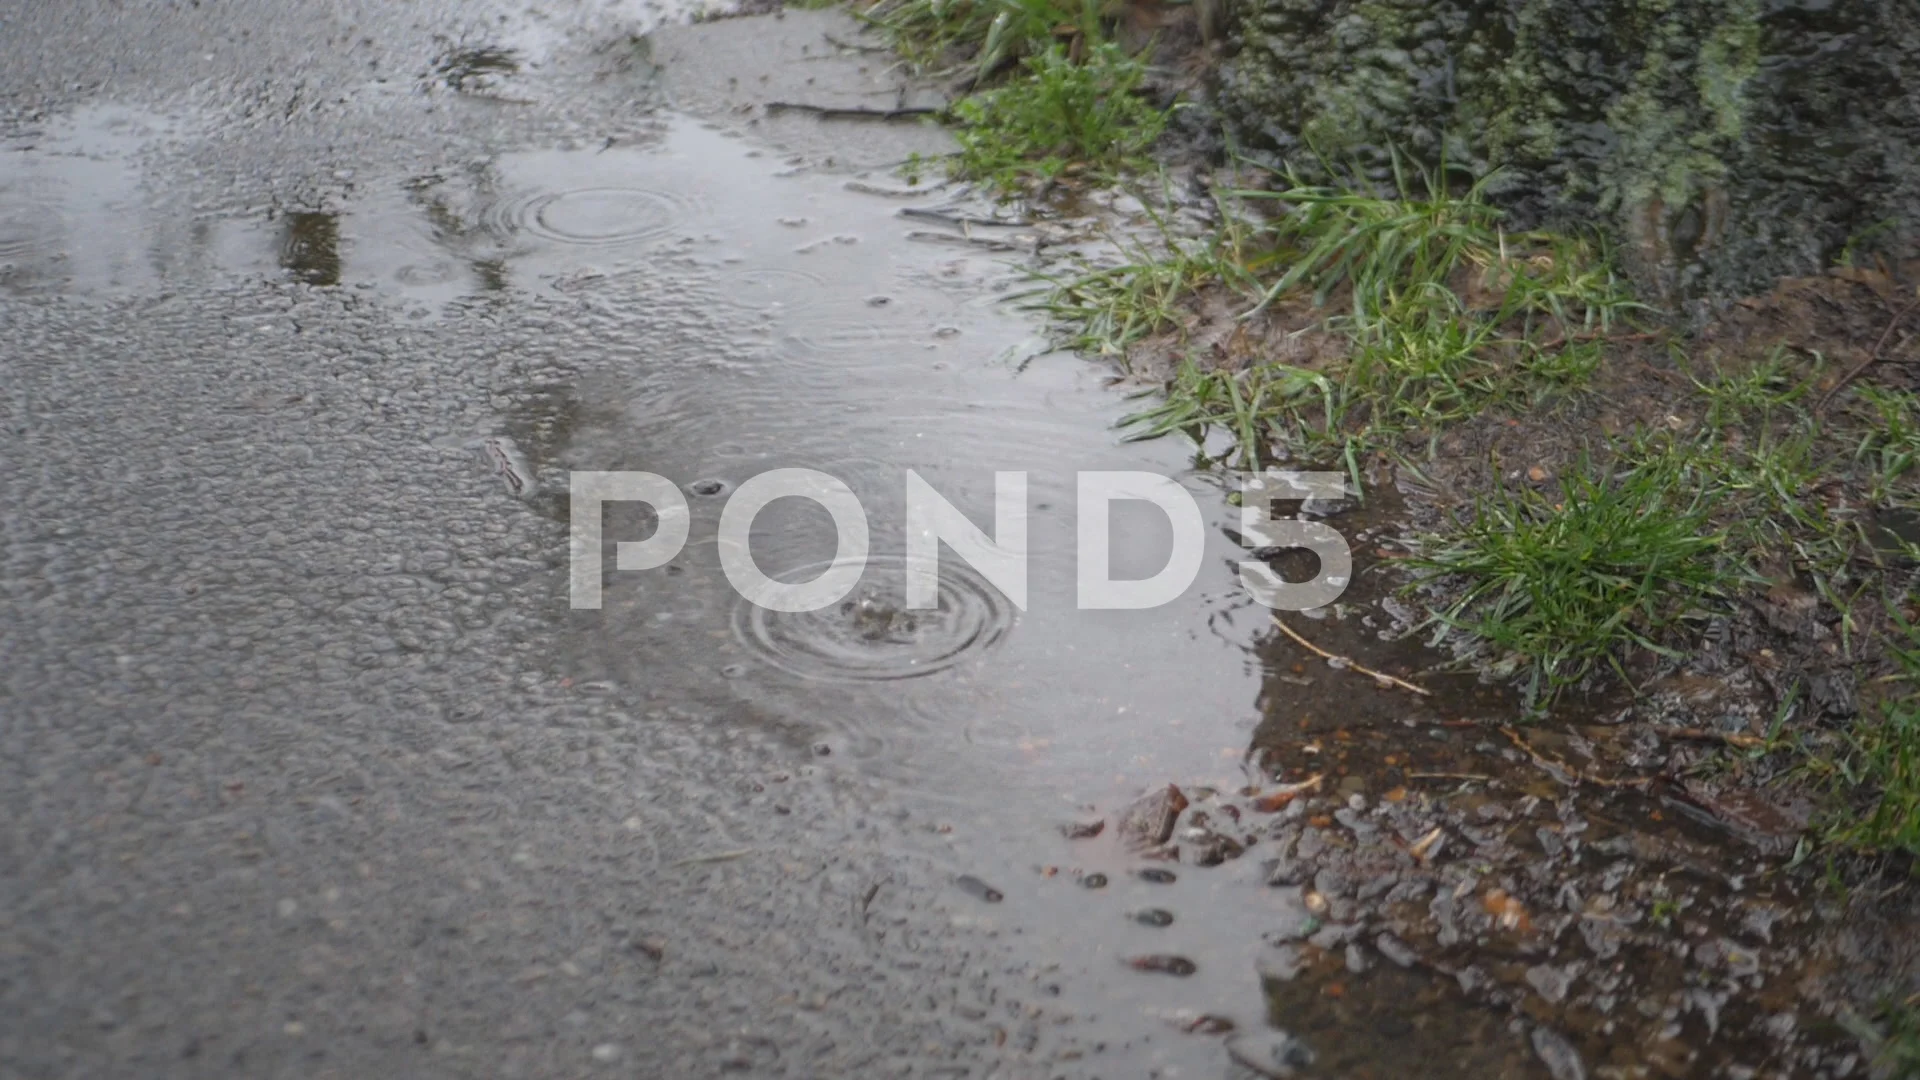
point(974, 887)
point(1094, 881)
point(1157, 876)
point(1153, 916)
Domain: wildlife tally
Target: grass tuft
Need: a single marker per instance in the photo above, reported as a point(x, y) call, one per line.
point(1446, 315)
point(984, 35)
point(1244, 404)
point(1062, 113)
point(1563, 586)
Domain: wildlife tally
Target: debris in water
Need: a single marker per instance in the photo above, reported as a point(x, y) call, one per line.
point(1506, 911)
point(1275, 801)
point(1149, 820)
point(1163, 964)
point(509, 465)
point(1425, 845)
point(1153, 916)
point(1156, 876)
point(1094, 881)
point(974, 887)
point(1346, 663)
point(1083, 830)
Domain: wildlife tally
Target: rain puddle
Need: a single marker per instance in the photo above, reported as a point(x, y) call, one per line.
point(1347, 878)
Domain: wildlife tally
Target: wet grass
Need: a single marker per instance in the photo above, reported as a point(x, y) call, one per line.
point(1048, 91)
point(1241, 403)
point(1446, 315)
point(1108, 308)
point(980, 36)
point(1559, 585)
point(1874, 778)
point(1058, 113)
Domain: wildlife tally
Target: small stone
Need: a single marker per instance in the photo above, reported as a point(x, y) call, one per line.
point(1549, 982)
point(1537, 474)
point(1357, 961)
point(978, 889)
point(1149, 820)
point(1561, 1059)
point(1156, 876)
point(1083, 830)
point(1396, 950)
point(1094, 881)
point(1153, 917)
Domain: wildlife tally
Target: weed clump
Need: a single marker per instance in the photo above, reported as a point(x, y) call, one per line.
point(1060, 113)
point(1564, 585)
point(1444, 313)
point(980, 35)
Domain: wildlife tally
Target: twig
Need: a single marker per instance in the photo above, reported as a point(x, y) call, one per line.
point(1744, 742)
point(1566, 773)
point(1465, 776)
point(948, 217)
point(828, 112)
point(1855, 370)
point(929, 237)
point(1347, 661)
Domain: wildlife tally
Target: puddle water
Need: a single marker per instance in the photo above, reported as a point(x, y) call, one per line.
point(76, 217)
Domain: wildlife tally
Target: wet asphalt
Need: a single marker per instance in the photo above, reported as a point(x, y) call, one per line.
point(306, 770)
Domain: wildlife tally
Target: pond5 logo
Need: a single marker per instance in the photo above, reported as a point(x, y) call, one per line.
point(1000, 558)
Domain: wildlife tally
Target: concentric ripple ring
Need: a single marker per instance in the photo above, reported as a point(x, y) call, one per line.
point(607, 215)
point(870, 635)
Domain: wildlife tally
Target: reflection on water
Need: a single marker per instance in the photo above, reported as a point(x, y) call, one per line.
point(310, 247)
